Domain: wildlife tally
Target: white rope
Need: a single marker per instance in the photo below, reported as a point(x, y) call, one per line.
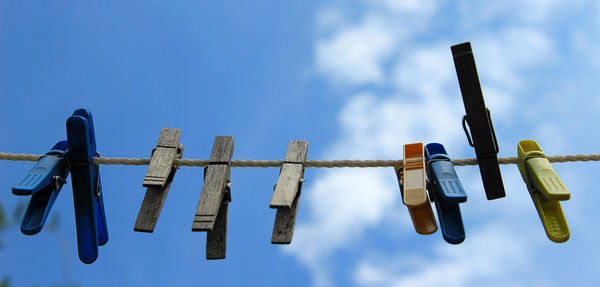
point(308, 163)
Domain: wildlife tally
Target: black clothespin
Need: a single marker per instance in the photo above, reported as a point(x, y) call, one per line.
point(87, 189)
point(211, 213)
point(159, 177)
point(43, 183)
point(483, 137)
point(287, 192)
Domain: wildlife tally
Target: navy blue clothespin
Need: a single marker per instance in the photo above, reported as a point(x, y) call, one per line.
point(483, 137)
point(87, 190)
point(43, 183)
point(446, 191)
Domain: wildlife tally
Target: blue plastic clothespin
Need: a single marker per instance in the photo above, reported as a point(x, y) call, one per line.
point(446, 191)
point(87, 190)
point(43, 182)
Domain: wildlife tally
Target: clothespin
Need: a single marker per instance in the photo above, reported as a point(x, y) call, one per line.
point(211, 213)
point(87, 189)
point(482, 137)
point(287, 192)
point(159, 177)
point(546, 189)
point(446, 191)
point(411, 178)
point(43, 183)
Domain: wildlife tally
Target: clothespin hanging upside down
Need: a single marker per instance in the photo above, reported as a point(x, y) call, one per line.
point(546, 189)
point(211, 213)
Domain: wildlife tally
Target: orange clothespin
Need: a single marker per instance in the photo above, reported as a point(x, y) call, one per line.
point(411, 178)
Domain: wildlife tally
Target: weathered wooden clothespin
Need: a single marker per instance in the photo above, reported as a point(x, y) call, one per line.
point(411, 178)
point(158, 178)
point(287, 192)
point(211, 213)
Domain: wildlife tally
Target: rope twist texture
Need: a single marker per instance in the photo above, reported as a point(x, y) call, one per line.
point(308, 163)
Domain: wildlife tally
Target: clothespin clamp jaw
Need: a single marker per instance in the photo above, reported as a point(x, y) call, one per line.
point(159, 178)
point(411, 178)
point(545, 188)
point(482, 136)
point(213, 205)
point(43, 182)
point(286, 193)
point(87, 189)
point(446, 191)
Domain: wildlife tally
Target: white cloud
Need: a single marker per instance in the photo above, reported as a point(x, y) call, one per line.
point(343, 203)
point(355, 54)
point(401, 48)
point(491, 254)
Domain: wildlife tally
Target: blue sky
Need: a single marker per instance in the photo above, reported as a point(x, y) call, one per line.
point(357, 79)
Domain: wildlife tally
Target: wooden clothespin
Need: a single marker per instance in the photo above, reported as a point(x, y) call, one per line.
point(483, 137)
point(411, 178)
point(159, 177)
point(546, 189)
point(211, 213)
point(287, 192)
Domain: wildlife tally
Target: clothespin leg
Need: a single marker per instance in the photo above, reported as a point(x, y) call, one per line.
point(423, 219)
point(451, 222)
point(216, 240)
point(552, 217)
point(101, 217)
point(38, 209)
point(152, 206)
point(285, 220)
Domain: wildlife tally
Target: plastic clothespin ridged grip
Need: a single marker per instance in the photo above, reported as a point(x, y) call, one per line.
point(446, 191)
point(87, 189)
point(43, 183)
point(413, 187)
point(482, 136)
point(546, 189)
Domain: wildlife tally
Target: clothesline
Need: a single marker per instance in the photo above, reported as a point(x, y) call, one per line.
point(308, 163)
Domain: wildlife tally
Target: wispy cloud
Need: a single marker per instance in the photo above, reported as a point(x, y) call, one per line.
point(395, 56)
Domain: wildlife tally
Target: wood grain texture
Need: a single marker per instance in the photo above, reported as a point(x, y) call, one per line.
point(163, 156)
point(215, 181)
point(290, 175)
point(216, 240)
point(286, 195)
point(287, 185)
point(285, 220)
point(153, 202)
point(296, 152)
point(216, 178)
point(222, 151)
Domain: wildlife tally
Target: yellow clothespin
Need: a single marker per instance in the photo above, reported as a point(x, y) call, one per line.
point(546, 189)
point(414, 190)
